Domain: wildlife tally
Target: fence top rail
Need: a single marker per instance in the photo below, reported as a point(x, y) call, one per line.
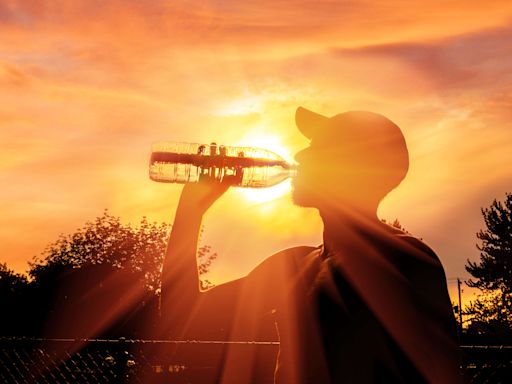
point(154, 341)
point(133, 341)
point(486, 346)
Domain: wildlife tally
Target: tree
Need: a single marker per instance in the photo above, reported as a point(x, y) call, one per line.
point(494, 270)
point(13, 291)
point(107, 241)
point(10, 281)
point(101, 280)
point(395, 224)
point(491, 312)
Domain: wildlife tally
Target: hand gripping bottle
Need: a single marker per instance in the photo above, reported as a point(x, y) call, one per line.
point(190, 162)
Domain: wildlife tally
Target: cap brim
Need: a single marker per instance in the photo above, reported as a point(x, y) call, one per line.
point(309, 122)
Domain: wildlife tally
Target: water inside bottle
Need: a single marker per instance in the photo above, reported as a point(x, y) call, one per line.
point(190, 162)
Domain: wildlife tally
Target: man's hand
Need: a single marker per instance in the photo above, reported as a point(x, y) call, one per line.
point(200, 196)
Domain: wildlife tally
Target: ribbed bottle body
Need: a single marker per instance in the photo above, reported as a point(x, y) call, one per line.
point(248, 167)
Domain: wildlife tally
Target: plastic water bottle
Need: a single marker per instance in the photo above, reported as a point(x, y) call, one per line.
point(190, 162)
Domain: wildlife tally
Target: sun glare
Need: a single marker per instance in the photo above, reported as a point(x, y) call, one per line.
point(271, 143)
point(263, 195)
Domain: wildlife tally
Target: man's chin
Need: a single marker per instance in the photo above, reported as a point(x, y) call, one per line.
point(302, 199)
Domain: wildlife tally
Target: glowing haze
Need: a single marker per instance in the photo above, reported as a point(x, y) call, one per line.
point(86, 86)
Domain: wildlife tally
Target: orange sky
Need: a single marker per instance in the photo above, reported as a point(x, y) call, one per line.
point(86, 86)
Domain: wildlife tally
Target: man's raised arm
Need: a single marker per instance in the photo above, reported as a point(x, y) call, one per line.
point(180, 277)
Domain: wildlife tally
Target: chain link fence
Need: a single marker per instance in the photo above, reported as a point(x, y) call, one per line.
point(76, 361)
point(34, 360)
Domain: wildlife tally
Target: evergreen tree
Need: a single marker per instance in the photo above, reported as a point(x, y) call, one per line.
point(494, 269)
point(491, 312)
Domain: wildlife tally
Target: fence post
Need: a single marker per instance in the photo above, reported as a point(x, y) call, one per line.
point(122, 361)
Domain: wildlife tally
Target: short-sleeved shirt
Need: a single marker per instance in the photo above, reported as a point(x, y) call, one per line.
point(375, 310)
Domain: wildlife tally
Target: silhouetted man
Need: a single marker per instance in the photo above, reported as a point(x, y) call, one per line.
point(369, 305)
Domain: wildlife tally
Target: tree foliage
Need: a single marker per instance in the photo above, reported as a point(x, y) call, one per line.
point(14, 288)
point(491, 312)
point(10, 281)
point(494, 269)
point(106, 241)
point(395, 224)
point(101, 280)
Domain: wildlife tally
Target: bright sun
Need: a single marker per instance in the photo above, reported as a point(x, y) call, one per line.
point(262, 195)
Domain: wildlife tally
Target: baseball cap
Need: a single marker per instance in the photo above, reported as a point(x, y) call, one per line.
point(372, 136)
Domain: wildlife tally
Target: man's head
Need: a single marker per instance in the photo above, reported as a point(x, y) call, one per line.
point(354, 158)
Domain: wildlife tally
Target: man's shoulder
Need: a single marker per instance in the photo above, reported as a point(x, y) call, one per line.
point(284, 262)
point(293, 253)
point(417, 249)
point(418, 262)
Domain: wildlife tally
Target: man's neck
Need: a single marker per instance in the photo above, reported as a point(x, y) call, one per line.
point(343, 227)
